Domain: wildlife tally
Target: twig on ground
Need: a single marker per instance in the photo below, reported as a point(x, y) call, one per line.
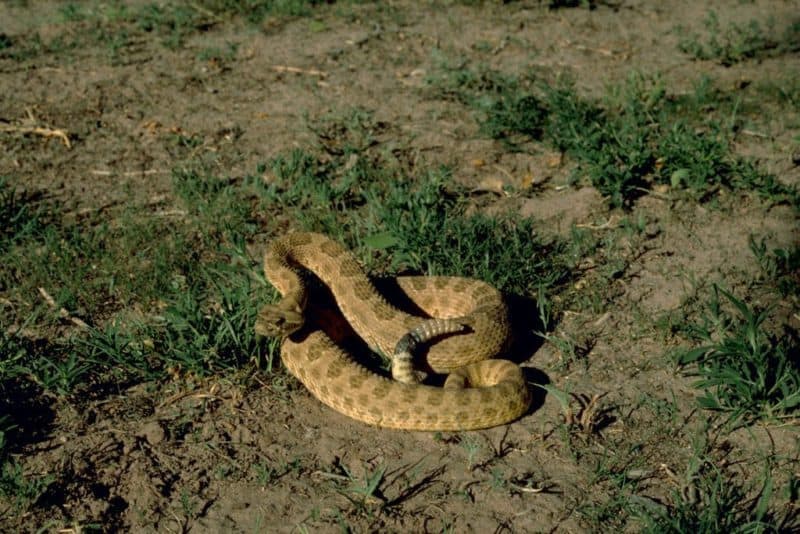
point(298, 70)
point(610, 223)
point(30, 126)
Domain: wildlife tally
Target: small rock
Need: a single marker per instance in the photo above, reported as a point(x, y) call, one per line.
point(152, 432)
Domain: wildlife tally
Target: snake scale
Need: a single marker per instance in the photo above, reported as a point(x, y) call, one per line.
point(478, 393)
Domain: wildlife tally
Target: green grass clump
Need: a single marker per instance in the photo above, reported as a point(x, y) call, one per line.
point(398, 224)
point(625, 145)
point(256, 11)
point(16, 487)
point(780, 266)
point(142, 296)
point(784, 91)
point(422, 228)
point(635, 137)
point(744, 371)
point(18, 218)
point(150, 294)
point(303, 182)
point(739, 42)
point(21, 48)
point(711, 501)
point(20, 489)
point(119, 26)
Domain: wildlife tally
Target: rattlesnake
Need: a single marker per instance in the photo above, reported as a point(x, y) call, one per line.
point(479, 392)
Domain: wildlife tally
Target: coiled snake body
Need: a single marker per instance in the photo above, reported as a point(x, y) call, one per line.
point(478, 393)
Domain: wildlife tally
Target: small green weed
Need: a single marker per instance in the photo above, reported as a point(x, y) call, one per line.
point(72, 12)
point(784, 91)
point(19, 48)
point(221, 55)
point(18, 217)
point(202, 329)
point(173, 22)
point(472, 446)
point(363, 492)
point(613, 487)
point(188, 504)
point(80, 266)
point(739, 42)
point(368, 485)
point(216, 206)
point(606, 515)
point(118, 348)
point(707, 497)
point(637, 136)
point(710, 501)
point(255, 11)
point(59, 376)
point(744, 371)
point(121, 26)
point(499, 480)
point(265, 473)
point(20, 489)
point(397, 224)
point(428, 234)
point(13, 356)
point(192, 284)
point(780, 266)
point(695, 169)
point(301, 181)
point(208, 327)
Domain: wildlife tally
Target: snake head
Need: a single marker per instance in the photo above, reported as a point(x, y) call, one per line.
point(276, 321)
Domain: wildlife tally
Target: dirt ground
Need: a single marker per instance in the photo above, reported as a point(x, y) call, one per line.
point(221, 458)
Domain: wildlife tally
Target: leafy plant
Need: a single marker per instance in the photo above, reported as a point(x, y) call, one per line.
point(409, 225)
point(709, 501)
point(637, 136)
point(20, 488)
point(743, 370)
point(780, 266)
point(18, 218)
point(738, 42)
